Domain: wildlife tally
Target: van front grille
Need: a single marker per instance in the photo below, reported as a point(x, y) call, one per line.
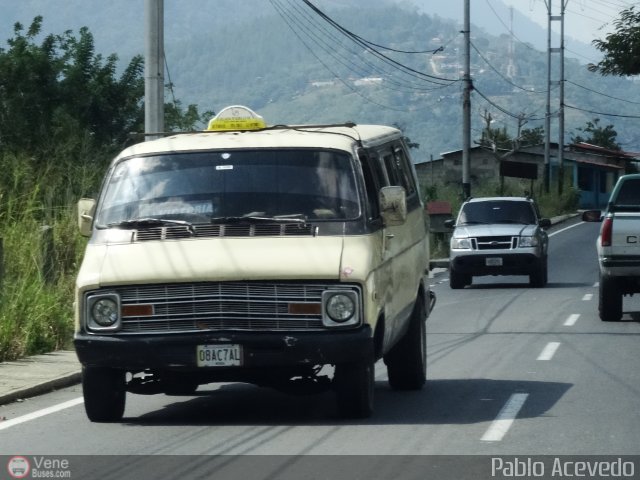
point(214, 306)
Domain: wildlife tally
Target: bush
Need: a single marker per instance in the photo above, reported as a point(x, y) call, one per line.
point(41, 252)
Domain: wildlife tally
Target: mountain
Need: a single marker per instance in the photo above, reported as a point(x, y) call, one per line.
point(284, 61)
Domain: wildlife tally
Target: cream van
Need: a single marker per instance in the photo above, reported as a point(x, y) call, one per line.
point(286, 257)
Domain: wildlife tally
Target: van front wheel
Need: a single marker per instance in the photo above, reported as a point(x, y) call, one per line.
point(104, 391)
point(354, 384)
point(407, 360)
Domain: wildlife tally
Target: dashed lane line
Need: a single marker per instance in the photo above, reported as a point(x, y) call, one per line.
point(501, 425)
point(548, 351)
point(571, 320)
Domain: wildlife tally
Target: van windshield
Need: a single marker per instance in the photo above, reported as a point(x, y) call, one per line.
point(204, 186)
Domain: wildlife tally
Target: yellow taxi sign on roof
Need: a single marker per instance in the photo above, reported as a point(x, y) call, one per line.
point(236, 117)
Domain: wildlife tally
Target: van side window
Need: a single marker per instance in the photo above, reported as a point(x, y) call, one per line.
point(374, 180)
point(404, 170)
point(392, 171)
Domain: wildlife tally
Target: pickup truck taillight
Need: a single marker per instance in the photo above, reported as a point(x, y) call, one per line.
point(605, 232)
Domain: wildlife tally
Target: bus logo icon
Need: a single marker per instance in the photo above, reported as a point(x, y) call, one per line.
point(18, 467)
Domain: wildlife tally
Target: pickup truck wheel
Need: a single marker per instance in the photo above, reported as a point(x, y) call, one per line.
point(538, 278)
point(609, 300)
point(354, 384)
point(458, 280)
point(407, 360)
point(104, 391)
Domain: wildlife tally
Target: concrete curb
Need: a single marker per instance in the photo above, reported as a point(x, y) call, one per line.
point(38, 374)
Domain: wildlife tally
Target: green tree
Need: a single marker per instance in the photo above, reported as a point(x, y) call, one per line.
point(62, 92)
point(595, 134)
point(61, 88)
point(532, 136)
point(621, 47)
point(28, 87)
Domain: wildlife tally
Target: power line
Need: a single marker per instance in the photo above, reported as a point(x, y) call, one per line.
point(405, 68)
point(283, 15)
point(603, 94)
point(334, 52)
point(501, 75)
point(601, 113)
point(504, 110)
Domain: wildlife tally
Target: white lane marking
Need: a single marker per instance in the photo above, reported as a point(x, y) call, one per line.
point(500, 426)
point(587, 297)
point(596, 285)
point(549, 351)
point(40, 413)
point(571, 321)
point(566, 228)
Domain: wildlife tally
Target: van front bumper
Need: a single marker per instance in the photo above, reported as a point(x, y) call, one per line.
point(259, 350)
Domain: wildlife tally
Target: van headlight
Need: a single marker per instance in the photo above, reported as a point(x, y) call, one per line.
point(103, 312)
point(460, 243)
point(340, 308)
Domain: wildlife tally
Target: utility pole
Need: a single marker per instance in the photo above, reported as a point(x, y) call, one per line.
point(466, 104)
point(561, 109)
point(547, 116)
point(560, 84)
point(154, 68)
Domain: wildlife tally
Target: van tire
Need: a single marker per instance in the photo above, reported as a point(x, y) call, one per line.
point(354, 384)
point(609, 300)
point(407, 360)
point(104, 391)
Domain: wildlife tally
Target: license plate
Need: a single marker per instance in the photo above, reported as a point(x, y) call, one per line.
point(493, 262)
point(228, 355)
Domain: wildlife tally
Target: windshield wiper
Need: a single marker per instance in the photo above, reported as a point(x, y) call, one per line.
point(295, 218)
point(472, 222)
point(149, 222)
point(519, 222)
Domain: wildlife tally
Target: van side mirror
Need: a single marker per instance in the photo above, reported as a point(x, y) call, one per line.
point(86, 208)
point(393, 205)
point(592, 215)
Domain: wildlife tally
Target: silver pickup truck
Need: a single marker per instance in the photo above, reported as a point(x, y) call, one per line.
point(618, 246)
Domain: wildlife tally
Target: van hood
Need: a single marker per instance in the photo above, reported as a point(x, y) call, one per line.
point(222, 259)
point(496, 230)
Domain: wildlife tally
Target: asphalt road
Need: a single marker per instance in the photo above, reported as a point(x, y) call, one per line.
point(511, 370)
